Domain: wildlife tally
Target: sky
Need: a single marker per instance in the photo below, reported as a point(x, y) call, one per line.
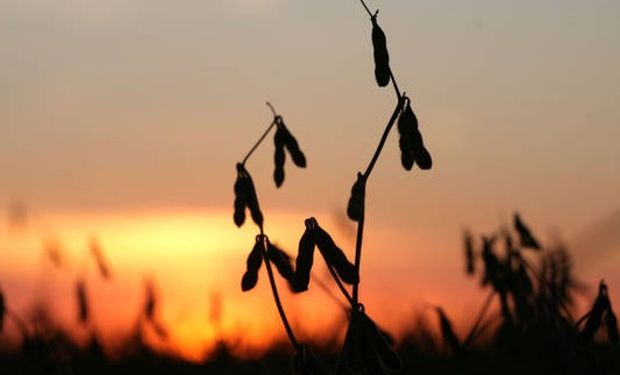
point(125, 119)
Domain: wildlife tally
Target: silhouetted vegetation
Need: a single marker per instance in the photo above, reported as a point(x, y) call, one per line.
point(534, 286)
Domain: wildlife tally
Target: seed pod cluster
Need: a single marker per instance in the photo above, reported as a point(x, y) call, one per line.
point(380, 52)
point(334, 256)
point(253, 263)
point(245, 196)
point(82, 301)
point(525, 235)
point(283, 139)
point(367, 349)
point(601, 313)
point(313, 236)
point(280, 259)
point(355, 208)
point(412, 149)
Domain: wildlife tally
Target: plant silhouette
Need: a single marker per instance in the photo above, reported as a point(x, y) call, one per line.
point(524, 325)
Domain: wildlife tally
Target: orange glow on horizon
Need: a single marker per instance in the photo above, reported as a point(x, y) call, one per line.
point(196, 259)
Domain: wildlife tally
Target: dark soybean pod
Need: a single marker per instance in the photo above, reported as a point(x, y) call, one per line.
point(292, 146)
point(407, 125)
point(279, 158)
point(253, 264)
point(380, 52)
point(240, 197)
point(334, 256)
point(249, 281)
point(282, 262)
point(355, 208)
point(251, 199)
point(305, 255)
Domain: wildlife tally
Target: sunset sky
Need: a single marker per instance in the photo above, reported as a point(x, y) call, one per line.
point(124, 119)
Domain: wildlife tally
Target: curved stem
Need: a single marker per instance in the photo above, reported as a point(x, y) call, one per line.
point(273, 110)
point(276, 297)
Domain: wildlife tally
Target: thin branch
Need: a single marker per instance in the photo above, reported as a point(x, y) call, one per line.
point(344, 290)
point(276, 297)
point(481, 314)
point(262, 137)
point(19, 323)
point(273, 110)
point(395, 85)
point(360, 224)
point(358, 250)
point(260, 140)
point(328, 291)
point(366, 7)
point(386, 132)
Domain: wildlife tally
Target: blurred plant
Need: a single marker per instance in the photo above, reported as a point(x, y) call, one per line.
point(534, 299)
point(149, 316)
point(601, 315)
point(97, 252)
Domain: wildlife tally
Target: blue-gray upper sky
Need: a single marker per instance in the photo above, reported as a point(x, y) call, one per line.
point(124, 104)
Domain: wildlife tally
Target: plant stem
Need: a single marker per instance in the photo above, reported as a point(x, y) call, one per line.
point(260, 140)
point(328, 291)
point(366, 7)
point(262, 137)
point(344, 290)
point(273, 110)
point(481, 314)
point(276, 297)
point(395, 85)
point(360, 224)
point(386, 132)
point(18, 322)
point(358, 253)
